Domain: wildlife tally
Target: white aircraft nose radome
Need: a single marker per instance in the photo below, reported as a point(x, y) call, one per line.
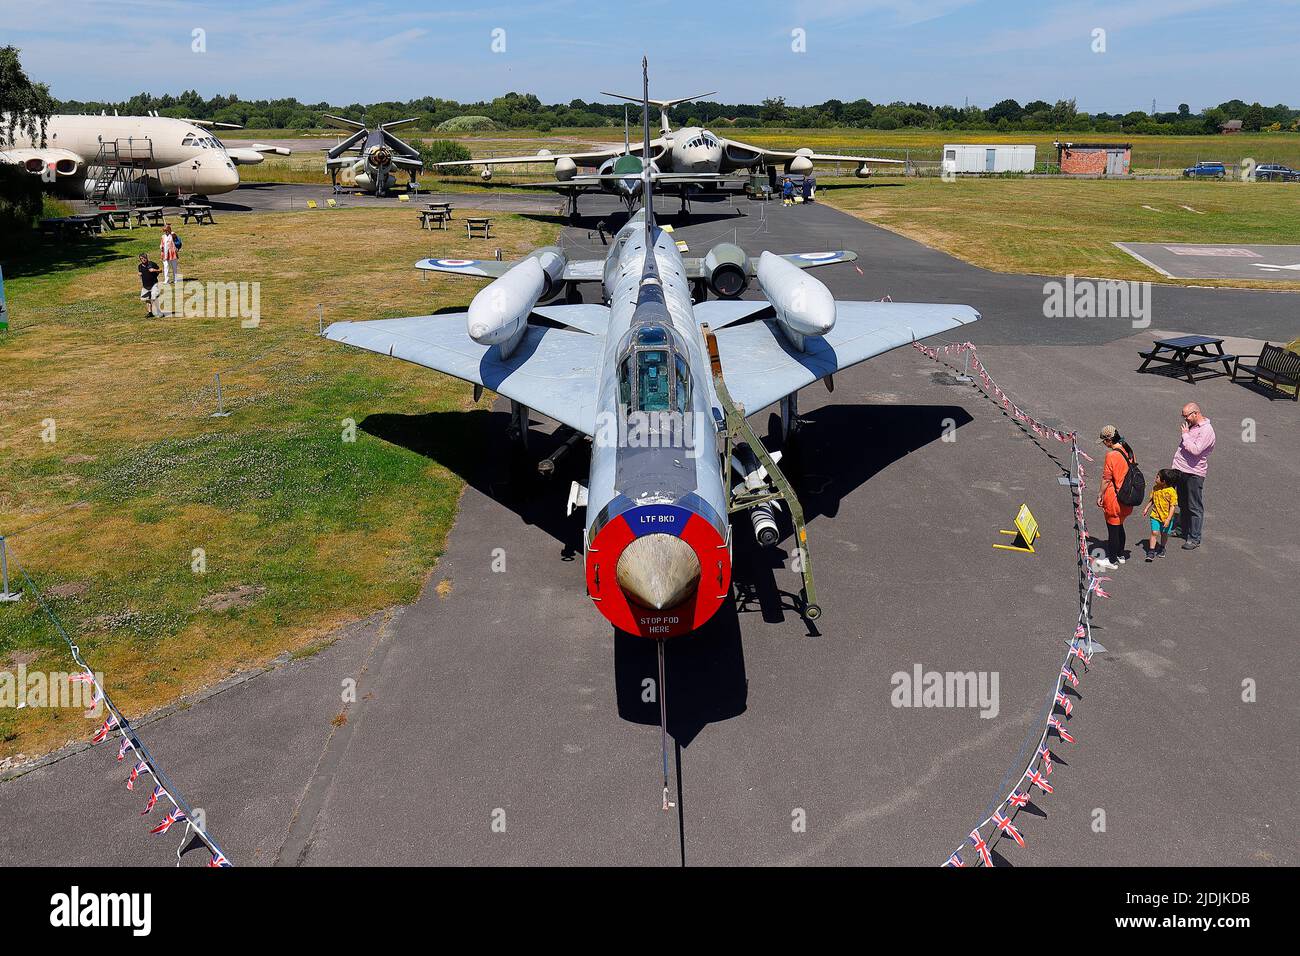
point(658, 571)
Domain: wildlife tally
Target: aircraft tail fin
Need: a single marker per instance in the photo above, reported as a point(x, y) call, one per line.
point(343, 122)
point(664, 105)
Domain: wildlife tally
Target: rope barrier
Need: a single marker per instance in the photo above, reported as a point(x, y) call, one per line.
point(1058, 707)
point(117, 723)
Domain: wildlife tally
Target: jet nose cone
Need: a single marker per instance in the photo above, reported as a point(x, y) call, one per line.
point(658, 571)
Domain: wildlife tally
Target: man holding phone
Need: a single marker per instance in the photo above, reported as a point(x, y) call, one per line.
point(1190, 462)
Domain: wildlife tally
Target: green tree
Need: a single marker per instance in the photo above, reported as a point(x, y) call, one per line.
point(1254, 118)
point(444, 151)
point(26, 106)
point(774, 110)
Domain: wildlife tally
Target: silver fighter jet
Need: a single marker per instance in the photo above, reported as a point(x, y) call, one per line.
point(661, 384)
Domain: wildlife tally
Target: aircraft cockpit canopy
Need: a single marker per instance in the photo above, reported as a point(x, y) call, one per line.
point(653, 373)
point(704, 140)
point(203, 142)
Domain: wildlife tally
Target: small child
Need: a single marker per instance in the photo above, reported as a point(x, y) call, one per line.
point(1160, 508)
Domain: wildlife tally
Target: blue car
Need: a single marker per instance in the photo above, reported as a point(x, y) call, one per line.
point(1205, 170)
point(1277, 173)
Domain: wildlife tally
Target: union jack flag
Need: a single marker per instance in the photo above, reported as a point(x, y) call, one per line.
point(218, 860)
point(1061, 731)
point(109, 723)
point(138, 769)
point(1064, 702)
point(81, 678)
point(1078, 651)
point(1038, 781)
point(1007, 827)
point(1068, 674)
point(981, 847)
point(125, 746)
point(158, 791)
point(1019, 799)
point(174, 814)
point(954, 860)
point(1047, 759)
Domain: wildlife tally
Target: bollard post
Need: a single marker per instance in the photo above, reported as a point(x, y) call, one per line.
point(6, 595)
point(220, 412)
point(965, 368)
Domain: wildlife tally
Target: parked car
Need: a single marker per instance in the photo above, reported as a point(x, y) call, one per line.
point(1277, 173)
point(1205, 170)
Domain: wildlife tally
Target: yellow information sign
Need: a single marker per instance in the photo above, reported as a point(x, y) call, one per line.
point(1025, 534)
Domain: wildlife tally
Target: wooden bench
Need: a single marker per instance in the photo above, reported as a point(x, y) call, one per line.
point(117, 217)
point(434, 217)
point(1274, 365)
point(481, 224)
point(199, 213)
point(149, 214)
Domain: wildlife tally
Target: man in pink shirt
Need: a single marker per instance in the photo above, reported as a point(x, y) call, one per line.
point(1190, 462)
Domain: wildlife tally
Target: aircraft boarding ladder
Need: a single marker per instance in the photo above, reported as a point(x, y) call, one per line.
point(776, 486)
point(118, 171)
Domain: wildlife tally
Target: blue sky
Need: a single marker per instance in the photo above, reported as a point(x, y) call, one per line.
point(1201, 52)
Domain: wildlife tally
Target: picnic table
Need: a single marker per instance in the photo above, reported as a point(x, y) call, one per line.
point(116, 217)
point(86, 224)
point(482, 224)
point(431, 217)
point(440, 207)
point(198, 212)
point(1186, 355)
point(151, 214)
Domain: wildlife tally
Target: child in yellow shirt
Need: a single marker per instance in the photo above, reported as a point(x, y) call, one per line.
point(1160, 507)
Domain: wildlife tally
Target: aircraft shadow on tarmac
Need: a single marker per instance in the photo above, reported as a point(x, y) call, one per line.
point(885, 434)
point(612, 221)
point(472, 445)
point(704, 677)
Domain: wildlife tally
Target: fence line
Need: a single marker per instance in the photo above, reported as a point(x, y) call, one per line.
point(145, 765)
point(1058, 706)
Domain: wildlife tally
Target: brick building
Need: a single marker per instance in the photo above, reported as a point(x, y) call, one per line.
point(1096, 159)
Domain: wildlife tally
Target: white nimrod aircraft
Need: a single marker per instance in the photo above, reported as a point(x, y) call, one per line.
point(162, 156)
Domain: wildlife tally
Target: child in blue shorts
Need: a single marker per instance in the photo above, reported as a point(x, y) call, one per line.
point(1160, 507)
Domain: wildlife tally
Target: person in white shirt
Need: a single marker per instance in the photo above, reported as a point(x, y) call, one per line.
point(169, 247)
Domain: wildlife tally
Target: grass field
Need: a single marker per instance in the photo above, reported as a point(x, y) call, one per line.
point(1056, 227)
point(301, 530)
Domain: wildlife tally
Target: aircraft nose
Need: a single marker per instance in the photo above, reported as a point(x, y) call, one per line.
point(658, 571)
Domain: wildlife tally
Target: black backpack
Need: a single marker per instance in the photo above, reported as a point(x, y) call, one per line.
point(1133, 488)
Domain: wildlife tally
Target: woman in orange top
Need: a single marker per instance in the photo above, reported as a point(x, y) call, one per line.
point(1118, 458)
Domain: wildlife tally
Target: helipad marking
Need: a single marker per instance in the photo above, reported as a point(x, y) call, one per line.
point(1213, 251)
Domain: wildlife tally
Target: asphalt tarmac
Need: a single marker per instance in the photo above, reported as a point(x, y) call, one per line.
point(499, 720)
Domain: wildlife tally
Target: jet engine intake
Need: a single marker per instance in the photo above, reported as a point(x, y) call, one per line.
point(726, 270)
